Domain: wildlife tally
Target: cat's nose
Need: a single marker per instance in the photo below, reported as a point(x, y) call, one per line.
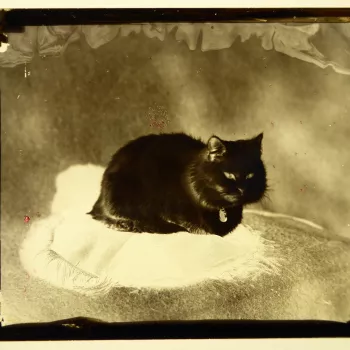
point(240, 190)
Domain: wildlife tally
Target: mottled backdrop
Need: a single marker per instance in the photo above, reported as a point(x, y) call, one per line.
point(80, 106)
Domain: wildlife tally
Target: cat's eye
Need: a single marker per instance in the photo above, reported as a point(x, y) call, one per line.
point(230, 176)
point(249, 176)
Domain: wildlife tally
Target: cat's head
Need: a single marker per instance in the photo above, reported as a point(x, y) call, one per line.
point(236, 169)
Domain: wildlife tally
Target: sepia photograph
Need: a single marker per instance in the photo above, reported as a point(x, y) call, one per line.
point(176, 171)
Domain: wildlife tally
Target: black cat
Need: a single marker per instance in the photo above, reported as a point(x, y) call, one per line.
point(173, 182)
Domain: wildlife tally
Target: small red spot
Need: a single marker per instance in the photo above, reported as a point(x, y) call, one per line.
point(26, 218)
point(304, 188)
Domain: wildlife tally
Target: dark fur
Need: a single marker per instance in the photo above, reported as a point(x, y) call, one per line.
point(169, 182)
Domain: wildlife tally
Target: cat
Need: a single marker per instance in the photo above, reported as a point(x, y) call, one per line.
point(167, 183)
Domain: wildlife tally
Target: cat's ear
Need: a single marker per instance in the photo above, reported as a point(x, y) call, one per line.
point(258, 141)
point(216, 148)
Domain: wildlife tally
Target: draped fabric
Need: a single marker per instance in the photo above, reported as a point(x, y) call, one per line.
point(73, 95)
point(303, 41)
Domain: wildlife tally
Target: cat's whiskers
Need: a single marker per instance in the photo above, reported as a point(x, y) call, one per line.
point(266, 197)
point(230, 198)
